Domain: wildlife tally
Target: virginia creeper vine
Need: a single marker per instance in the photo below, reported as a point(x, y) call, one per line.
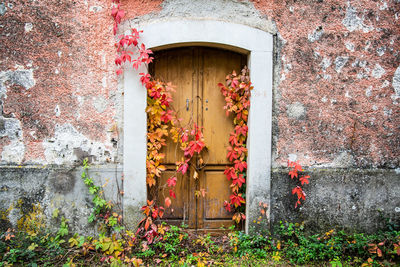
point(237, 97)
point(161, 122)
point(294, 169)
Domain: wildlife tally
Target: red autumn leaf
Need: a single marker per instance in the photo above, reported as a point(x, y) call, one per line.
point(239, 181)
point(147, 224)
point(300, 195)
point(240, 165)
point(154, 213)
point(144, 78)
point(379, 252)
point(227, 206)
point(183, 167)
point(146, 210)
point(166, 116)
point(232, 154)
point(160, 212)
point(236, 200)
point(114, 11)
point(241, 150)
point(233, 139)
point(136, 64)
point(230, 173)
point(119, 71)
point(293, 173)
point(167, 202)
point(144, 53)
point(171, 182)
point(172, 193)
point(304, 179)
point(234, 83)
point(242, 130)
point(203, 192)
point(118, 61)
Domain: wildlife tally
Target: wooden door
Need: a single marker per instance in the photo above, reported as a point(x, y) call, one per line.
point(196, 71)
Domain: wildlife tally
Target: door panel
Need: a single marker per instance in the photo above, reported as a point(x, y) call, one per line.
point(178, 209)
point(178, 67)
point(217, 187)
point(217, 126)
point(195, 72)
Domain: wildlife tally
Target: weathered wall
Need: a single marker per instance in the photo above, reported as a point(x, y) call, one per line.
point(336, 94)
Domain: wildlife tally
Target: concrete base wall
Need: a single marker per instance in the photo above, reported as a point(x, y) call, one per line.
point(54, 188)
point(350, 199)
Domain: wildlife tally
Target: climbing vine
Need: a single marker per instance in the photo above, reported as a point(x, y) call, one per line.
point(162, 122)
point(237, 97)
point(295, 170)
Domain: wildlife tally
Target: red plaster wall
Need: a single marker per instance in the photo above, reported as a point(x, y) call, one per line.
point(341, 124)
point(338, 119)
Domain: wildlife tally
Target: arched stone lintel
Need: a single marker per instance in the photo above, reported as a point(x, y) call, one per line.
point(161, 33)
point(241, 38)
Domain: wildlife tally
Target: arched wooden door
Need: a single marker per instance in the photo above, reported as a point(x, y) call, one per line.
point(196, 71)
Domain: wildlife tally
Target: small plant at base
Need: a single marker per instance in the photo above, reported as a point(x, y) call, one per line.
point(102, 209)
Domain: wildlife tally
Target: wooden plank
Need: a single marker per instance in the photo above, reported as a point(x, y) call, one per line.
point(177, 66)
point(180, 206)
point(217, 126)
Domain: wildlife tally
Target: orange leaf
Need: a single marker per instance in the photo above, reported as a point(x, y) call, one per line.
point(167, 202)
point(379, 252)
point(147, 224)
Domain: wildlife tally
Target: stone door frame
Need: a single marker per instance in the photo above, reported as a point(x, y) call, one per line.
point(258, 45)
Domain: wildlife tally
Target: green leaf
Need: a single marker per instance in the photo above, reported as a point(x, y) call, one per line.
point(91, 218)
point(55, 213)
point(92, 190)
point(32, 246)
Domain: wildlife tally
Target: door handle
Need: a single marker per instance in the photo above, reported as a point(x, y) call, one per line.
point(187, 104)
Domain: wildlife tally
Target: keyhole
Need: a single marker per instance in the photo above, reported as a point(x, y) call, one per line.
point(187, 104)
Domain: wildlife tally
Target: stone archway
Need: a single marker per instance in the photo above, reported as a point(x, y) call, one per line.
point(259, 47)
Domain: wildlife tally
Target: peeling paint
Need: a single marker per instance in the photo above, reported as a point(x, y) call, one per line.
point(67, 140)
point(13, 152)
point(28, 27)
point(3, 9)
point(396, 82)
point(368, 92)
point(296, 110)
point(352, 22)
point(57, 111)
point(100, 104)
point(325, 63)
point(316, 34)
point(378, 71)
point(349, 46)
point(95, 9)
point(381, 50)
point(20, 77)
point(340, 62)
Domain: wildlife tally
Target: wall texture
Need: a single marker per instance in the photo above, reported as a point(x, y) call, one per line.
point(336, 98)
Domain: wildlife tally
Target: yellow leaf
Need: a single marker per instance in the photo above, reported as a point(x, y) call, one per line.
point(195, 175)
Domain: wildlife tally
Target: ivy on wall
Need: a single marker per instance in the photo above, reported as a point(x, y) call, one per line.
point(237, 98)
